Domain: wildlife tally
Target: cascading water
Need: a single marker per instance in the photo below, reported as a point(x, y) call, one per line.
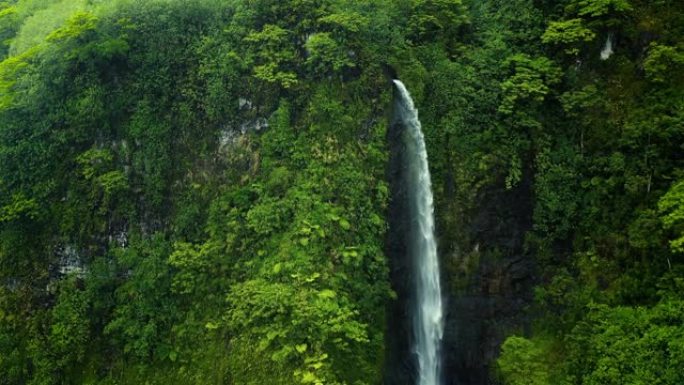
point(607, 50)
point(427, 305)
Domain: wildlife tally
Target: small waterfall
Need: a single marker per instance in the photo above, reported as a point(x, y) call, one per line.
point(427, 305)
point(607, 50)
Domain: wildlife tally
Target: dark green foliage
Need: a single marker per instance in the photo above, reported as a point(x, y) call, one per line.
point(606, 182)
point(628, 345)
point(433, 19)
point(528, 105)
point(143, 310)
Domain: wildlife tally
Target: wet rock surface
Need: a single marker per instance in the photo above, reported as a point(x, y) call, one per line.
point(491, 297)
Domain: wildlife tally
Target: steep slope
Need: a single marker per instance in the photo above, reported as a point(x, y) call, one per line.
point(198, 192)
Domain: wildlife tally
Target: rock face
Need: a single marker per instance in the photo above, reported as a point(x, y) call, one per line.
point(493, 286)
point(401, 365)
point(485, 301)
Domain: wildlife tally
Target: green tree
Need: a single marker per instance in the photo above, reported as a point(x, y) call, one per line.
point(522, 362)
point(671, 207)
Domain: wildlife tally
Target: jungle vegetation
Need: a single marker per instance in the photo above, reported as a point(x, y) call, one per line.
point(194, 192)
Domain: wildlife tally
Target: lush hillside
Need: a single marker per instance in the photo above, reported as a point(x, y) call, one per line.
point(197, 192)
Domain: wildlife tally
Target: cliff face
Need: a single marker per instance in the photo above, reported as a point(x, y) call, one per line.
point(489, 283)
point(401, 365)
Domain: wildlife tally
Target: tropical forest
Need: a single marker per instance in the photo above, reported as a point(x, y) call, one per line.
point(342, 192)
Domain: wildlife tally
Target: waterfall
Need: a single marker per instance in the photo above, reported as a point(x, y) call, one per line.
point(607, 50)
point(427, 305)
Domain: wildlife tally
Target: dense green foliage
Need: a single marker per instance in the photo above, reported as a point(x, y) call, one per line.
point(598, 136)
point(191, 193)
point(194, 192)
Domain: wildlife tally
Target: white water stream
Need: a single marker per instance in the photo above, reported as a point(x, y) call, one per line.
point(428, 325)
point(607, 50)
